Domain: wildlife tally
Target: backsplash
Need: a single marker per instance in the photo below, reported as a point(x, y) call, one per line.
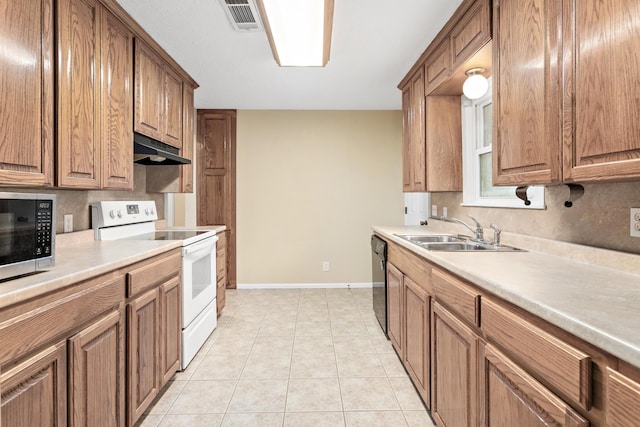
point(76, 202)
point(600, 218)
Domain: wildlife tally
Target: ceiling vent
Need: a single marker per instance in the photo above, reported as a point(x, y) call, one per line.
point(243, 14)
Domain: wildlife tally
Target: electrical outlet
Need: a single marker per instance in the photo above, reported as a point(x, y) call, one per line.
point(445, 212)
point(434, 211)
point(325, 265)
point(68, 223)
point(634, 221)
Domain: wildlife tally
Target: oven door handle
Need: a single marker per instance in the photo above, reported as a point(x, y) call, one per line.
point(208, 243)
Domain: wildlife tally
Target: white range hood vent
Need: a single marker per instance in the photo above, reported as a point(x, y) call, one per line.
point(243, 14)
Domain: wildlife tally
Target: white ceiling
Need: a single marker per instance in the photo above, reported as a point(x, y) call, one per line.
point(374, 44)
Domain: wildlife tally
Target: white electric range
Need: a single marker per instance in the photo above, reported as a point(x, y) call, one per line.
point(114, 220)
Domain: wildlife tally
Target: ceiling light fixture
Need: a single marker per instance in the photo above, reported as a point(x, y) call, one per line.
point(299, 31)
point(476, 85)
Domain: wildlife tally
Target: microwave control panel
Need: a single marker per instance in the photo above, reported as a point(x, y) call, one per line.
point(44, 226)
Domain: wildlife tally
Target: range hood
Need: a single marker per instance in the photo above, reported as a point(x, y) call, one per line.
point(147, 151)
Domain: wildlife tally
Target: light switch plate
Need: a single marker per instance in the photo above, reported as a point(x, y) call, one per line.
point(68, 223)
point(434, 211)
point(445, 212)
point(634, 222)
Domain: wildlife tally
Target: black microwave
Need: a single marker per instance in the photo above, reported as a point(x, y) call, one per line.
point(27, 233)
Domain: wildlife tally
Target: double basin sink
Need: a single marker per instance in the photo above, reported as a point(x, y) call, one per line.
point(449, 243)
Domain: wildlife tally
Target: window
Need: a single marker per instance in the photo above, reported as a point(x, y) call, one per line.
point(477, 131)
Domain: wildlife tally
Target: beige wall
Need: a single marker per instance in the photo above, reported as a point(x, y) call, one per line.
point(309, 186)
point(600, 218)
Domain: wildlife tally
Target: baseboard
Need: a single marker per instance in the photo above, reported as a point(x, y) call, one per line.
point(303, 285)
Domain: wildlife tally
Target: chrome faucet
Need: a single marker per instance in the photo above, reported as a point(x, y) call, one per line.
point(478, 231)
point(496, 234)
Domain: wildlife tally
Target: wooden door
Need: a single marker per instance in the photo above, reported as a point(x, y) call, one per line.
point(97, 373)
point(188, 138)
point(395, 306)
point(601, 84)
point(172, 105)
point(34, 392)
point(471, 33)
point(454, 370)
point(526, 92)
point(443, 143)
point(170, 329)
point(417, 344)
point(143, 367)
point(509, 396)
point(149, 92)
point(622, 398)
point(438, 66)
point(117, 103)
point(217, 177)
point(418, 154)
point(407, 155)
point(78, 120)
point(27, 93)
point(221, 271)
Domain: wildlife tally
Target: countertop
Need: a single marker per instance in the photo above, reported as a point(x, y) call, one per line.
point(79, 258)
point(597, 304)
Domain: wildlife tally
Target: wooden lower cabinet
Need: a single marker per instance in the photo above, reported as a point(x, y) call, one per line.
point(623, 400)
point(221, 271)
point(417, 332)
point(454, 370)
point(34, 392)
point(394, 306)
point(171, 331)
point(511, 397)
point(143, 365)
point(96, 373)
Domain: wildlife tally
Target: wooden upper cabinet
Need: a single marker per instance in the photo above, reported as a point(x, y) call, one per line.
point(149, 96)
point(471, 33)
point(188, 138)
point(601, 109)
point(438, 66)
point(407, 159)
point(526, 92)
point(116, 103)
point(27, 93)
point(158, 97)
point(443, 143)
point(78, 144)
point(413, 152)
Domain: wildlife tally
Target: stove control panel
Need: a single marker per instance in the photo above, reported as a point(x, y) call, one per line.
point(115, 212)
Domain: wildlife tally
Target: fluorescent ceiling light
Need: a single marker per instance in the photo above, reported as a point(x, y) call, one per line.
point(299, 31)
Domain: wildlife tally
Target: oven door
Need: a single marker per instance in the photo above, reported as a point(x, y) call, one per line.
point(198, 278)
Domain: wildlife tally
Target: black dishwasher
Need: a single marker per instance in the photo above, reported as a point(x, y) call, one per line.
point(379, 279)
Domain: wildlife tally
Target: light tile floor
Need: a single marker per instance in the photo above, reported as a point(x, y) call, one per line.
point(311, 357)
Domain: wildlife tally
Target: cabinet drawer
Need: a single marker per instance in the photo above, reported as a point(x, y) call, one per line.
point(554, 361)
point(152, 273)
point(460, 298)
point(623, 395)
point(36, 328)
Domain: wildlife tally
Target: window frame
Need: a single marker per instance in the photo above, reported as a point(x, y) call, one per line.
point(472, 132)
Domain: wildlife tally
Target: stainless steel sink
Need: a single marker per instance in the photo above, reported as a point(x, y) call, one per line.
point(449, 243)
point(443, 238)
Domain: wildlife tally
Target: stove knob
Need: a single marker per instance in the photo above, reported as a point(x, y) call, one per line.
point(119, 213)
point(112, 214)
point(146, 211)
point(153, 211)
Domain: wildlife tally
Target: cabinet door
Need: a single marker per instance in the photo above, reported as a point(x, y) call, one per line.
point(623, 395)
point(510, 396)
point(418, 154)
point(171, 330)
point(172, 105)
point(221, 271)
point(526, 92)
point(407, 155)
point(143, 367)
point(27, 93)
point(454, 371)
point(78, 143)
point(34, 393)
point(601, 109)
point(443, 143)
point(188, 138)
point(437, 66)
point(149, 92)
point(471, 33)
point(117, 104)
point(394, 306)
point(417, 324)
point(96, 373)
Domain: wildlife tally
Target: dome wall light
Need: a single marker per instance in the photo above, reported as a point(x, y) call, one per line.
point(476, 85)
